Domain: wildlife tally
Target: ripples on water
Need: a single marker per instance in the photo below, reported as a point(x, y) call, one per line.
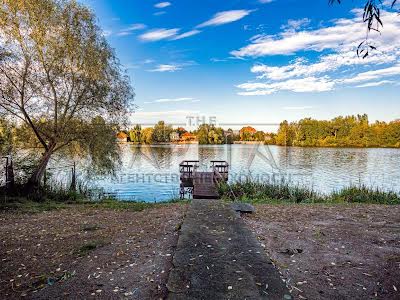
point(151, 173)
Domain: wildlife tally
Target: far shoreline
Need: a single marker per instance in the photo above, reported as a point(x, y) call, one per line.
point(255, 143)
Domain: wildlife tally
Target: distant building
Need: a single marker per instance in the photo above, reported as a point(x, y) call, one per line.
point(122, 137)
point(188, 137)
point(231, 132)
point(174, 136)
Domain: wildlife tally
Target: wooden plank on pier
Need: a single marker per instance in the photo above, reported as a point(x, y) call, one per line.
point(204, 186)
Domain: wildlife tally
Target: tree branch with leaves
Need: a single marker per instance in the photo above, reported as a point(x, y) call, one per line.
point(57, 73)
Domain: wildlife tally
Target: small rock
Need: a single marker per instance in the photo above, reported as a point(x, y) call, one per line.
point(243, 207)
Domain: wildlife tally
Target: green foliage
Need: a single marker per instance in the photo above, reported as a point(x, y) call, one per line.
point(22, 205)
point(86, 248)
point(99, 142)
point(121, 205)
point(350, 131)
point(286, 134)
point(255, 192)
point(364, 194)
point(147, 135)
point(57, 72)
point(209, 134)
point(135, 134)
point(7, 134)
point(161, 132)
point(281, 191)
point(259, 136)
point(231, 137)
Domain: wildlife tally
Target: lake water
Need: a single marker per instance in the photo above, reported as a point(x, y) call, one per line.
point(151, 173)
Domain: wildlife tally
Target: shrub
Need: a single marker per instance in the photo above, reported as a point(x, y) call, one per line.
point(363, 194)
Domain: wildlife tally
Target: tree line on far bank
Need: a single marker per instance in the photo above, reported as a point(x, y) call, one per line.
point(349, 131)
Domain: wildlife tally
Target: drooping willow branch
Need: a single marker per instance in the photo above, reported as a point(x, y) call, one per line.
point(372, 17)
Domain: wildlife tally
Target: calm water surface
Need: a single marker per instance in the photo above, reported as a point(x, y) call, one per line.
point(151, 173)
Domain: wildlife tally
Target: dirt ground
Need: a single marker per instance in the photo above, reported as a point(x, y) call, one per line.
point(83, 253)
point(333, 252)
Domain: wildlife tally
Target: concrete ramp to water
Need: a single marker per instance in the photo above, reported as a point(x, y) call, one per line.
point(217, 257)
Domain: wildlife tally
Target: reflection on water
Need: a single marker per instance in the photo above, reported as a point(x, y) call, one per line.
point(151, 173)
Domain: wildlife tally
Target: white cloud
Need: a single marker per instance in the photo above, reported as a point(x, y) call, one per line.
point(281, 78)
point(343, 34)
point(225, 17)
point(265, 1)
point(106, 33)
point(159, 13)
point(214, 59)
point(159, 34)
point(166, 68)
point(376, 83)
point(129, 30)
point(167, 34)
point(257, 93)
point(169, 100)
point(162, 4)
point(137, 26)
point(174, 99)
point(308, 84)
point(171, 113)
point(326, 63)
point(337, 68)
point(296, 24)
point(186, 34)
point(297, 107)
point(374, 75)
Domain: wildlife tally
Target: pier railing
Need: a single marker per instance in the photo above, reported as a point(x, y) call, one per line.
point(188, 167)
point(220, 169)
point(202, 185)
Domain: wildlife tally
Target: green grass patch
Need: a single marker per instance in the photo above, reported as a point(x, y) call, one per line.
point(86, 248)
point(281, 192)
point(24, 205)
point(121, 205)
point(364, 194)
point(249, 191)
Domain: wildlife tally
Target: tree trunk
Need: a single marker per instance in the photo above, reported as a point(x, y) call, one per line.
point(10, 177)
point(33, 184)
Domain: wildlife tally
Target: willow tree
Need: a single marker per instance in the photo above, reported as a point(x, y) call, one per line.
point(57, 74)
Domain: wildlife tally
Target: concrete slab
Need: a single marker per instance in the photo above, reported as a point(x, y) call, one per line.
point(217, 257)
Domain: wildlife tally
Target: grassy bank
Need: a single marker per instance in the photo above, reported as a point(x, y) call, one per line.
point(24, 205)
point(281, 192)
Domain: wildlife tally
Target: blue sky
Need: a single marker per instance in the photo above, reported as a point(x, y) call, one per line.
point(255, 61)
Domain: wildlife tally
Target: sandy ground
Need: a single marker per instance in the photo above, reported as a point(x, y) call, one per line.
point(88, 253)
point(333, 252)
